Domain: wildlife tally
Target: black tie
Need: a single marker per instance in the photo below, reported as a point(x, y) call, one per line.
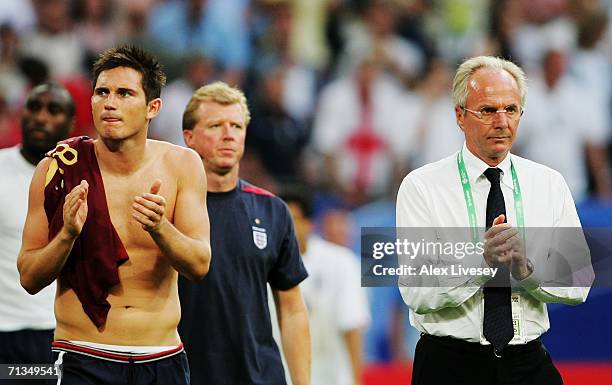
point(497, 326)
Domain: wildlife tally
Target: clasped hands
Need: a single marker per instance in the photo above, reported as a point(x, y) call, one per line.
point(503, 245)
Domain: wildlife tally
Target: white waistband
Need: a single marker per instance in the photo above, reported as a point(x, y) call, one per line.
point(124, 348)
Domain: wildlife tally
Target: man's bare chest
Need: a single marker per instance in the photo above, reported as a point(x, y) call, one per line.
point(120, 192)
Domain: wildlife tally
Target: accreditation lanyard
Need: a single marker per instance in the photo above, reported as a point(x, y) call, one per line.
point(469, 199)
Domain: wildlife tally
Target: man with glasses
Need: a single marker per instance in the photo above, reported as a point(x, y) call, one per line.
point(485, 329)
point(27, 322)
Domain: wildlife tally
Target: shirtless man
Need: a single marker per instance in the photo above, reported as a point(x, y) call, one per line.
point(156, 198)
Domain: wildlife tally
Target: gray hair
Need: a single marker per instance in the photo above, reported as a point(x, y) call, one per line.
point(470, 66)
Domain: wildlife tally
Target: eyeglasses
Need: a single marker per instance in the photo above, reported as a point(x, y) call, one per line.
point(487, 114)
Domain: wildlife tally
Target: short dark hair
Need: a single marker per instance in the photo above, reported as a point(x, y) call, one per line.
point(301, 196)
point(153, 77)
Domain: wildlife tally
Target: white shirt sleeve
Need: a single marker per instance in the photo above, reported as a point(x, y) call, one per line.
point(570, 248)
point(413, 211)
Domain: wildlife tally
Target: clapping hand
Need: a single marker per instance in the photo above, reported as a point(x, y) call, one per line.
point(75, 209)
point(149, 208)
point(500, 242)
point(504, 246)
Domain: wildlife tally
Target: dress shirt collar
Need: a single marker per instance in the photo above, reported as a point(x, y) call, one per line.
point(476, 167)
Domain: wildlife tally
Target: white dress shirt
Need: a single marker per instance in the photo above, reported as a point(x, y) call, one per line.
point(432, 197)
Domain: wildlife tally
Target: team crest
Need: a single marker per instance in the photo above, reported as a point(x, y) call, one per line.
point(260, 238)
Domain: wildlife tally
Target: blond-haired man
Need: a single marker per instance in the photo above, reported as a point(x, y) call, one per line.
point(226, 321)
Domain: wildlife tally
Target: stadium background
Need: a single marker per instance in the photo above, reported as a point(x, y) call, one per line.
point(347, 96)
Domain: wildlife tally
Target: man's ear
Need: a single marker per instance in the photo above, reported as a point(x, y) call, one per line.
point(459, 115)
point(188, 137)
point(154, 106)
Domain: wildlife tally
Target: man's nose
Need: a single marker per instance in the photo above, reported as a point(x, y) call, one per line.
point(500, 119)
point(109, 102)
point(227, 132)
point(42, 115)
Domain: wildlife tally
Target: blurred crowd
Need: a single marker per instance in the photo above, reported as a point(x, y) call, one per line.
point(346, 96)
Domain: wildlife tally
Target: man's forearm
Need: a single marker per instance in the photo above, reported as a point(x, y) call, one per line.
point(189, 256)
point(295, 337)
point(352, 339)
point(39, 267)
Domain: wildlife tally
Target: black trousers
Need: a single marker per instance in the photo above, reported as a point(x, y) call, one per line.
point(448, 361)
point(78, 369)
point(26, 347)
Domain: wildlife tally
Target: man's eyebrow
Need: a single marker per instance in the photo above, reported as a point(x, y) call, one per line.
point(126, 89)
point(119, 89)
point(219, 121)
point(495, 105)
point(215, 120)
point(56, 104)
